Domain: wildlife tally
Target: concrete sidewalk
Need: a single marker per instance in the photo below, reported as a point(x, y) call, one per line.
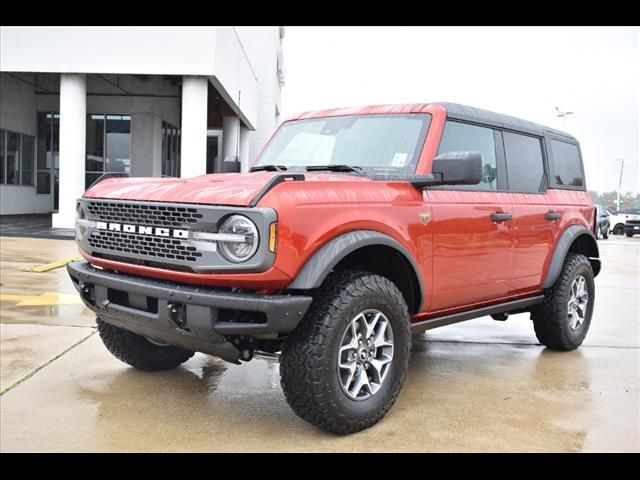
point(476, 386)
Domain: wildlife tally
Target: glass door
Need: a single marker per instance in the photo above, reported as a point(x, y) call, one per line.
point(48, 157)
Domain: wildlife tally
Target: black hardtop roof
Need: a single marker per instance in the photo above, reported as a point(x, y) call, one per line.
point(473, 114)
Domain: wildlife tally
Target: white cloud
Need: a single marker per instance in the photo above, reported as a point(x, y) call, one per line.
point(521, 71)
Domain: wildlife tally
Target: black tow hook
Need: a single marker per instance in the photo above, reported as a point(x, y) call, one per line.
point(244, 346)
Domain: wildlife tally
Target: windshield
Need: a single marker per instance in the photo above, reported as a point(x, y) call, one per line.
point(374, 143)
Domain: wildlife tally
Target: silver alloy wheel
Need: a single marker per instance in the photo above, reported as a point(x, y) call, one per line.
point(578, 300)
point(365, 355)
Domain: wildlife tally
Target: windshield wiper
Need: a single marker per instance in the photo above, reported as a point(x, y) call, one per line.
point(269, 168)
point(335, 168)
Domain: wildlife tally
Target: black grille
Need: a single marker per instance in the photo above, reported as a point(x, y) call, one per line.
point(143, 245)
point(153, 215)
point(633, 222)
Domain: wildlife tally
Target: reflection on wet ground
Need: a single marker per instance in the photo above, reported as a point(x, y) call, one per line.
point(476, 386)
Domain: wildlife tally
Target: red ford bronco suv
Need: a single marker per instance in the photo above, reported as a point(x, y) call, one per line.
point(354, 229)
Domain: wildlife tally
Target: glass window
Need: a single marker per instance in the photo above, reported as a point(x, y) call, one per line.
point(28, 146)
point(55, 140)
point(108, 145)
point(3, 163)
point(566, 168)
point(13, 158)
point(378, 143)
point(118, 144)
point(91, 177)
point(43, 182)
point(525, 169)
point(170, 150)
point(95, 143)
point(462, 137)
point(44, 153)
point(44, 140)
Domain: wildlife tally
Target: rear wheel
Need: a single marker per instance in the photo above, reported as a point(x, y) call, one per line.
point(140, 352)
point(562, 321)
point(344, 365)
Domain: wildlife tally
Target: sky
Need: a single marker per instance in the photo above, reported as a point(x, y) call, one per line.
point(521, 71)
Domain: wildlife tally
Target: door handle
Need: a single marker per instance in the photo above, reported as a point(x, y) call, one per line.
point(552, 215)
point(500, 217)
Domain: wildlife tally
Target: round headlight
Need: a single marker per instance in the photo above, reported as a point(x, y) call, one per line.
point(241, 249)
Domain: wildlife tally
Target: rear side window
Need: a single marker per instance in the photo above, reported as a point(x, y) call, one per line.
point(525, 168)
point(462, 137)
point(566, 167)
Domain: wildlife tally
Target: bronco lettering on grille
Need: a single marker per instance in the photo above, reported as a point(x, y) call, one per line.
point(143, 230)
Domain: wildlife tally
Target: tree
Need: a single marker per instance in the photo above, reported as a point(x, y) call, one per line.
point(628, 200)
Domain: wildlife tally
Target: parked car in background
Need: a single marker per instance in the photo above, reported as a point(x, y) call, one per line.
point(632, 227)
point(618, 220)
point(602, 217)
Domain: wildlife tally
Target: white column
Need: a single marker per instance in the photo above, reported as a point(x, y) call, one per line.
point(244, 150)
point(73, 131)
point(193, 152)
point(230, 136)
point(146, 145)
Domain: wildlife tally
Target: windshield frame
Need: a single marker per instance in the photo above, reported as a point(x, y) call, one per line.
point(421, 140)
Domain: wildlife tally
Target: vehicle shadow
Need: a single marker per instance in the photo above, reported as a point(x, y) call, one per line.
point(457, 397)
point(496, 397)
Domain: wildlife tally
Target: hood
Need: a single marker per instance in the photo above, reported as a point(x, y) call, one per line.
point(236, 189)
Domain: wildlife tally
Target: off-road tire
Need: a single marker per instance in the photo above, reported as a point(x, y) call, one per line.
point(551, 319)
point(618, 229)
point(308, 365)
point(139, 352)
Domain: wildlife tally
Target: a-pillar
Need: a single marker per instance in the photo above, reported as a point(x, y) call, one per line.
point(73, 131)
point(193, 151)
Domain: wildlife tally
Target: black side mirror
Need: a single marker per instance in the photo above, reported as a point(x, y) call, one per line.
point(458, 168)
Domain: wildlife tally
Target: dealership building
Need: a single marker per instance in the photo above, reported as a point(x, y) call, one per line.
point(78, 102)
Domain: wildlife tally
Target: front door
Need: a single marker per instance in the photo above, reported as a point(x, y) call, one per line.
point(472, 225)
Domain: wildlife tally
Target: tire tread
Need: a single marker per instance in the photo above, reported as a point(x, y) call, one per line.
point(303, 367)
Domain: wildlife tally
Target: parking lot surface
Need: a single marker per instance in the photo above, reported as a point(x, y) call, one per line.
point(477, 386)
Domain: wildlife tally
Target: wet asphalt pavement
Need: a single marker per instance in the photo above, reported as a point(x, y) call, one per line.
point(477, 386)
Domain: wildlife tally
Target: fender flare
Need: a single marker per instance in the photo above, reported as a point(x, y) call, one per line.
point(318, 267)
point(568, 237)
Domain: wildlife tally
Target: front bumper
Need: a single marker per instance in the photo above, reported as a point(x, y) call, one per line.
point(196, 318)
point(632, 228)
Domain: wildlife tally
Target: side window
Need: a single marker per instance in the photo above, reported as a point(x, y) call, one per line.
point(472, 138)
point(566, 169)
point(525, 168)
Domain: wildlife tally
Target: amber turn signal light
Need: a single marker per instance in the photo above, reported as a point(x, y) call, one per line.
point(273, 230)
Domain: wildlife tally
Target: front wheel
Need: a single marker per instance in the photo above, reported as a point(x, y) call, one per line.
point(562, 321)
point(138, 351)
point(345, 364)
point(618, 229)
point(629, 234)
